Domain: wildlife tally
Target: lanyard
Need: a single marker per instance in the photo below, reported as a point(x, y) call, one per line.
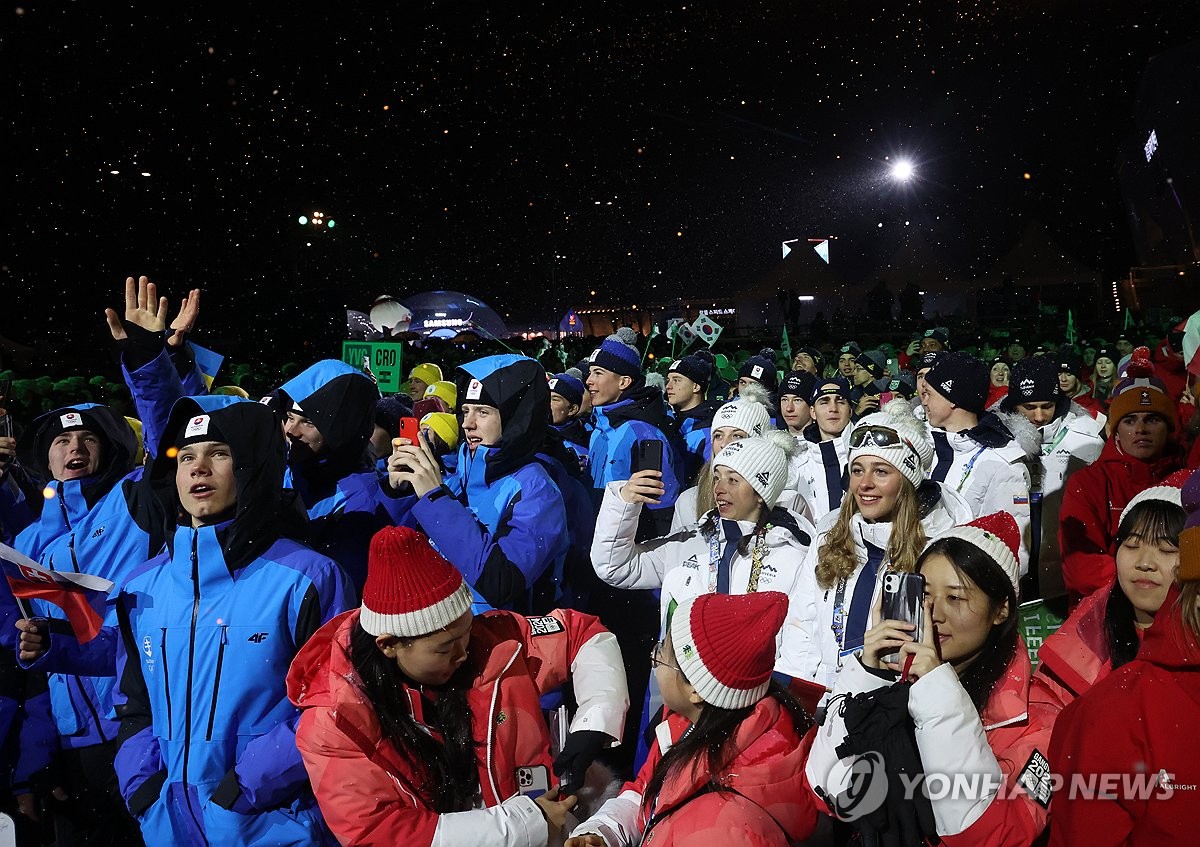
point(967, 470)
point(1062, 433)
point(719, 567)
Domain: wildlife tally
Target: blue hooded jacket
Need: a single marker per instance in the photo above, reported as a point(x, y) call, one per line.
point(499, 518)
point(104, 524)
point(339, 485)
point(209, 627)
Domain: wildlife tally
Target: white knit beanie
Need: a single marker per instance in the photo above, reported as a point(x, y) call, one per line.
point(914, 457)
point(747, 413)
point(761, 461)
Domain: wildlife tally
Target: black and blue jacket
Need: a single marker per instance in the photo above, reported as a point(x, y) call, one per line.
point(499, 517)
point(103, 525)
point(340, 485)
point(209, 627)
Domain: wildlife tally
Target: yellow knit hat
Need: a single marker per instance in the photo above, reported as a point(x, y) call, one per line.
point(427, 372)
point(445, 391)
point(444, 426)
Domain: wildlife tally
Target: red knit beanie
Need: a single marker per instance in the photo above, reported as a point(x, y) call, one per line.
point(411, 590)
point(725, 645)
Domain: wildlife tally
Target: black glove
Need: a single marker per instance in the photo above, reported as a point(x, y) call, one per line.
point(576, 757)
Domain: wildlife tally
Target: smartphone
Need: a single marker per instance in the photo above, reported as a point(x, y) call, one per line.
point(904, 600)
point(410, 428)
point(648, 455)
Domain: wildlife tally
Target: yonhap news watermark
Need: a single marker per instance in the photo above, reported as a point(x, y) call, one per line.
point(863, 785)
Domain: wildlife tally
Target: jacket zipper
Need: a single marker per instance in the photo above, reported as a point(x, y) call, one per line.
point(166, 680)
point(491, 733)
point(187, 704)
point(212, 712)
point(91, 709)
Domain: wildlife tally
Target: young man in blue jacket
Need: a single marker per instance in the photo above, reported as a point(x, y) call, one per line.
point(500, 517)
point(209, 627)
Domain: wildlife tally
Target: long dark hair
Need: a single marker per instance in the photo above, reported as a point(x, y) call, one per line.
point(981, 676)
point(711, 735)
point(1153, 522)
point(448, 769)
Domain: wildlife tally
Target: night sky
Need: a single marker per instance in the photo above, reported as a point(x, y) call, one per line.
point(641, 150)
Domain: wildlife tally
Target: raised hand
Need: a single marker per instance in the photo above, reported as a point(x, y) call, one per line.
point(643, 487)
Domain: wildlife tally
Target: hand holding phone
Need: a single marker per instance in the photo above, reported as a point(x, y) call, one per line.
point(904, 601)
point(648, 455)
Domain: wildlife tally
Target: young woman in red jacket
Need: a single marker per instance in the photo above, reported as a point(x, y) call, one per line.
point(422, 725)
point(728, 767)
point(1127, 750)
point(972, 717)
point(1105, 631)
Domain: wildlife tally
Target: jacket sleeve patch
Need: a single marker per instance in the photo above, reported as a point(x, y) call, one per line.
point(545, 626)
point(1036, 779)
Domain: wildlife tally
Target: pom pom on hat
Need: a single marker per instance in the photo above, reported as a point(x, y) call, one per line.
point(747, 413)
point(725, 645)
point(1140, 391)
point(618, 353)
point(410, 590)
point(996, 535)
point(1189, 538)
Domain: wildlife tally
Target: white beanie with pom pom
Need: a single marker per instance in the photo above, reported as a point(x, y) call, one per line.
point(762, 461)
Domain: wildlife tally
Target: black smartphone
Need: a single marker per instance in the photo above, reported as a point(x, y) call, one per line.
point(904, 600)
point(648, 455)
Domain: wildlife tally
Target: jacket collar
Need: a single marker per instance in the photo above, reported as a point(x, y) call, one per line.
point(1009, 701)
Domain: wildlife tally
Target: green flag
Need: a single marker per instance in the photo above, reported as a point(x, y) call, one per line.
point(785, 347)
point(1128, 319)
point(1070, 327)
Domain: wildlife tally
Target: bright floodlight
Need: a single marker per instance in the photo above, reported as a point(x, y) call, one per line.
point(902, 170)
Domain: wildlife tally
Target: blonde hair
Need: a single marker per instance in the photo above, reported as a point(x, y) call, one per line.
point(705, 501)
point(837, 559)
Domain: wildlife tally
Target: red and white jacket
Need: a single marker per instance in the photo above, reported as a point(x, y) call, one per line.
point(1006, 745)
point(370, 795)
point(764, 802)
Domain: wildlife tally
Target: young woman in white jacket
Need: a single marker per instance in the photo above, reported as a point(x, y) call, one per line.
point(890, 512)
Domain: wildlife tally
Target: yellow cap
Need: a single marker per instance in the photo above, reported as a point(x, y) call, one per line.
point(427, 372)
point(444, 391)
point(444, 426)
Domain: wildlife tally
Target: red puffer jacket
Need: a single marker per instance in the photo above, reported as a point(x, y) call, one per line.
point(1092, 504)
point(1075, 657)
point(1139, 724)
point(370, 794)
point(763, 802)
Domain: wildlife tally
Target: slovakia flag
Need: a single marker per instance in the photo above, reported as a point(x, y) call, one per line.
point(81, 596)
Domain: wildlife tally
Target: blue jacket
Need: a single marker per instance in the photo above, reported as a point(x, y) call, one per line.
point(618, 428)
point(103, 525)
point(695, 427)
point(339, 486)
point(208, 630)
point(27, 736)
point(499, 518)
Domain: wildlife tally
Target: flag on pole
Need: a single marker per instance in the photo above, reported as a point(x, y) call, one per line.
point(1070, 327)
point(686, 334)
point(785, 347)
point(1128, 319)
point(707, 330)
point(207, 362)
point(673, 325)
point(81, 596)
point(561, 352)
point(654, 333)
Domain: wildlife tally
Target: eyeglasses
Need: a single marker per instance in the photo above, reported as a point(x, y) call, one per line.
point(655, 660)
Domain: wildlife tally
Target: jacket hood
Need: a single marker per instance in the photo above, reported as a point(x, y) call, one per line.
point(1170, 644)
point(1078, 653)
point(644, 404)
point(767, 768)
point(264, 512)
point(1009, 700)
point(340, 400)
point(992, 430)
point(322, 668)
point(702, 414)
point(516, 385)
point(120, 447)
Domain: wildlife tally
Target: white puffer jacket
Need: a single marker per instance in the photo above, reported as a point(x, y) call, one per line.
point(810, 649)
point(681, 563)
